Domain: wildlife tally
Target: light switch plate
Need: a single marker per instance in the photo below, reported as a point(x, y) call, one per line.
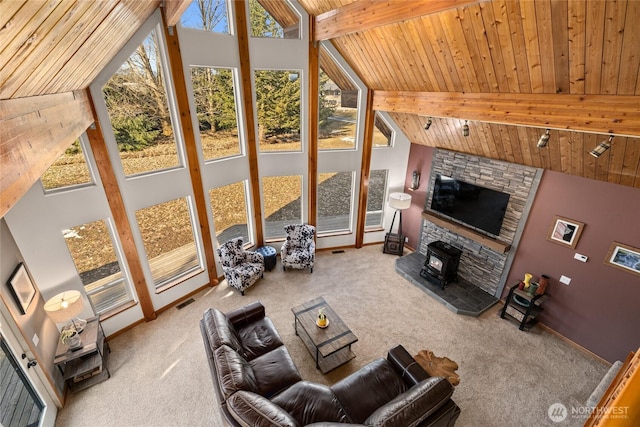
point(565, 280)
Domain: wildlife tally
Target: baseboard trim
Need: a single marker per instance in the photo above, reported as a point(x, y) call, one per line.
point(569, 341)
point(574, 344)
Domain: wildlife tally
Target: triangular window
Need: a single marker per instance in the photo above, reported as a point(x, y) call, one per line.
point(273, 19)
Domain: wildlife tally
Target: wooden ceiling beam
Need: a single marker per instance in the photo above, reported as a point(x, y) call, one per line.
point(34, 132)
point(367, 14)
point(606, 114)
point(173, 10)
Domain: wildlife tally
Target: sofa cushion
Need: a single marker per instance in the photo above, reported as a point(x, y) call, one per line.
point(258, 338)
point(274, 372)
point(234, 373)
point(413, 406)
point(253, 410)
point(221, 331)
point(355, 392)
point(309, 402)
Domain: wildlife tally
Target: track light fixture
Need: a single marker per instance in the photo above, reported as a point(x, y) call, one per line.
point(544, 139)
point(428, 124)
point(601, 148)
point(465, 129)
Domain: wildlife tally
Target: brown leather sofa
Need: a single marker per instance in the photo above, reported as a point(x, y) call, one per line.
point(258, 384)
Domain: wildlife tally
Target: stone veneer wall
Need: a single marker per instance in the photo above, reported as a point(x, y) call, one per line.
point(481, 265)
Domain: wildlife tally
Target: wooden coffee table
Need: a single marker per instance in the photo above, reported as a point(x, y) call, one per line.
point(330, 346)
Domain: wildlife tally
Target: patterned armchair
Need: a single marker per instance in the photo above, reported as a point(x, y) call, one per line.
point(241, 268)
point(299, 250)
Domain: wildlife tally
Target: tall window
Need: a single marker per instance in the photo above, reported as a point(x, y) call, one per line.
point(338, 105)
point(278, 104)
point(169, 241)
point(375, 198)
point(230, 217)
point(92, 250)
point(273, 19)
point(282, 203)
point(69, 170)
point(382, 133)
point(213, 90)
point(139, 112)
point(208, 15)
point(335, 195)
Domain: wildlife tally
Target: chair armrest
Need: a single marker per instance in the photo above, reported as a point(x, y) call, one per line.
point(252, 409)
point(254, 257)
point(406, 366)
point(415, 405)
point(247, 314)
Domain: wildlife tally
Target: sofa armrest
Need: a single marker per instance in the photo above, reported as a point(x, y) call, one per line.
point(413, 406)
point(251, 409)
point(247, 314)
point(406, 366)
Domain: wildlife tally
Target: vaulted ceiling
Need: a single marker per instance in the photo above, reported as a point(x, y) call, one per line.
point(559, 64)
point(511, 68)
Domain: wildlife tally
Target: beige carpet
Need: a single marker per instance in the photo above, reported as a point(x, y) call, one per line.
point(160, 375)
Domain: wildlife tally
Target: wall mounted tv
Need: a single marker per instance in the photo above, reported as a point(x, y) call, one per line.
point(470, 204)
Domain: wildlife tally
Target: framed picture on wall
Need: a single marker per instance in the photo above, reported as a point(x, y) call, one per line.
point(565, 231)
point(22, 288)
point(624, 257)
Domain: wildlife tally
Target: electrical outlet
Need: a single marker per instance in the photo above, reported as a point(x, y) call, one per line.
point(565, 280)
point(406, 240)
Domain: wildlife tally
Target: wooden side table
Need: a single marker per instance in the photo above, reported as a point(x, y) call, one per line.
point(87, 365)
point(525, 308)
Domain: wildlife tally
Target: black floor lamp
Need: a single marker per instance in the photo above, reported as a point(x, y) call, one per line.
point(394, 242)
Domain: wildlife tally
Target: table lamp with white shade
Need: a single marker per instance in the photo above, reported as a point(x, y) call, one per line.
point(65, 307)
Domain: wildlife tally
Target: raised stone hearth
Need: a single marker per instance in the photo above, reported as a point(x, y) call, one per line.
point(460, 297)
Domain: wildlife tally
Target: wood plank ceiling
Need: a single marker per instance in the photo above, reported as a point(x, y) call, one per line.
point(581, 48)
point(53, 46)
point(533, 48)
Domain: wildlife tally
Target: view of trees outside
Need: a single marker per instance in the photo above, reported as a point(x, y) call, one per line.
point(208, 15)
point(136, 99)
point(213, 91)
point(285, 23)
point(140, 117)
point(278, 104)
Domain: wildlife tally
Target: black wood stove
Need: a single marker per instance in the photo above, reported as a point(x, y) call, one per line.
point(442, 263)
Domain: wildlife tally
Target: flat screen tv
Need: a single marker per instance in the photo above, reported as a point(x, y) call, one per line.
point(470, 204)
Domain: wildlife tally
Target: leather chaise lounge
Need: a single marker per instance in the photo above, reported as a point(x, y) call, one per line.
point(257, 383)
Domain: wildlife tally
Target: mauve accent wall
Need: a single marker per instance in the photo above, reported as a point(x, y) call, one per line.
point(420, 158)
point(599, 310)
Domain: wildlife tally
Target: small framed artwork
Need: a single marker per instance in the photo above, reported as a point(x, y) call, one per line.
point(624, 257)
point(22, 288)
point(565, 231)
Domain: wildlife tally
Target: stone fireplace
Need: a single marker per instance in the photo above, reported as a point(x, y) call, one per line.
point(481, 263)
